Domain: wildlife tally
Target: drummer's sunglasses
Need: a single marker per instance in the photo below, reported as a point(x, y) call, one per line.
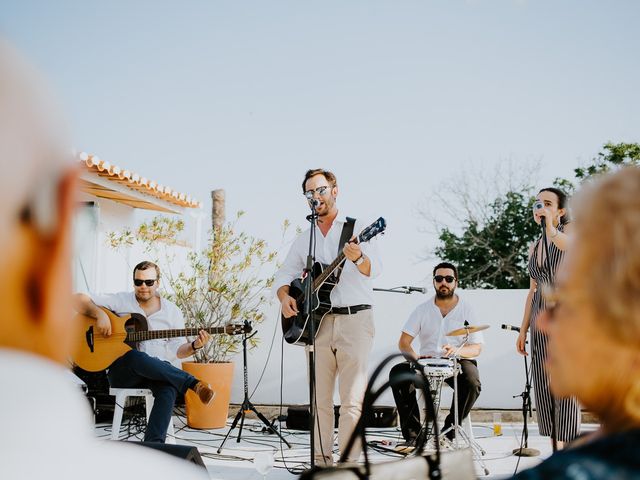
point(448, 278)
point(149, 283)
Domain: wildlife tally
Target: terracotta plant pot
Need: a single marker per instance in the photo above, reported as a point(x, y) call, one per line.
point(219, 376)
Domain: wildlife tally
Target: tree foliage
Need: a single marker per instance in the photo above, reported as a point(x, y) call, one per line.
point(612, 157)
point(493, 254)
point(223, 284)
point(492, 247)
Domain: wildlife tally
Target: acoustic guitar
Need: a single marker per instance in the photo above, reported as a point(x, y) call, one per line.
point(96, 352)
point(296, 329)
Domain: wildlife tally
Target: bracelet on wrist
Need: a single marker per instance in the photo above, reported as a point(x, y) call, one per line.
point(193, 345)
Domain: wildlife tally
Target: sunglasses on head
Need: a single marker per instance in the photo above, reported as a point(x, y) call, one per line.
point(149, 283)
point(448, 278)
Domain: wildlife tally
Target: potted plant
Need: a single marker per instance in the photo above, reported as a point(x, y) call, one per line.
point(225, 283)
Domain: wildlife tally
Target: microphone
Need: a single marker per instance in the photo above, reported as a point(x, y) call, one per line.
point(510, 327)
point(314, 202)
point(538, 206)
point(416, 289)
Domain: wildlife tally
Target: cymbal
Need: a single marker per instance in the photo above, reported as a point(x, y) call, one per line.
point(465, 330)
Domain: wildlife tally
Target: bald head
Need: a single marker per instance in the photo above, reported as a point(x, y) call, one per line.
point(31, 140)
point(37, 186)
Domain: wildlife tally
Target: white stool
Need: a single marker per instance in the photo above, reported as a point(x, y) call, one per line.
point(121, 395)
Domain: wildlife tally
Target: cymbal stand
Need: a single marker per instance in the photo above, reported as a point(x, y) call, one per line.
point(477, 450)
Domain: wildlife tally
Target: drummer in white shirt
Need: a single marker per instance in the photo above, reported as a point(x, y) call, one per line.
point(430, 321)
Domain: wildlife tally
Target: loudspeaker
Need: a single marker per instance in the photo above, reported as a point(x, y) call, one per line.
point(298, 417)
point(190, 454)
point(381, 417)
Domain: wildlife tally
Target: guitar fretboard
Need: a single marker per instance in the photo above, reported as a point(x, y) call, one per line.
point(184, 332)
point(317, 283)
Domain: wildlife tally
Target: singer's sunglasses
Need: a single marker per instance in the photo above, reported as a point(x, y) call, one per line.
point(322, 191)
point(149, 283)
point(448, 278)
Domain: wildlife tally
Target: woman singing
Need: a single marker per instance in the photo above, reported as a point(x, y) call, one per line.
point(542, 273)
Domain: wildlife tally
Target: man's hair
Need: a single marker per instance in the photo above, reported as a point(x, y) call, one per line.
point(446, 265)
point(563, 202)
point(145, 265)
point(331, 178)
point(607, 232)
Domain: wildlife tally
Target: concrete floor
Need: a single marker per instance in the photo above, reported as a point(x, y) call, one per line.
point(236, 459)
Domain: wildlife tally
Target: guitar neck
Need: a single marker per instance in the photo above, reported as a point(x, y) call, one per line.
point(317, 283)
point(157, 334)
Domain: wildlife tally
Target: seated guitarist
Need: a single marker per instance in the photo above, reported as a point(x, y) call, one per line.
point(345, 336)
point(150, 366)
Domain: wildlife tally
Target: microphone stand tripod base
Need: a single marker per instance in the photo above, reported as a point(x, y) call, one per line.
point(526, 452)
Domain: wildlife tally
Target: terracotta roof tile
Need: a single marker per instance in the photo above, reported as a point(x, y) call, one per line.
point(94, 164)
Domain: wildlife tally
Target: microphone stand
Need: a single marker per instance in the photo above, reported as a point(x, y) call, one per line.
point(307, 312)
point(524, 451)
point(554, 440)
point(247, 406)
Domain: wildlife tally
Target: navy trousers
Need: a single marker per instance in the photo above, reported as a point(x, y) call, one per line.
point(138, 370)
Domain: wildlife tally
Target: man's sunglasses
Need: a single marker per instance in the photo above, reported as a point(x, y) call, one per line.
point(448, 278)
point(149, 283)
point(322, 191)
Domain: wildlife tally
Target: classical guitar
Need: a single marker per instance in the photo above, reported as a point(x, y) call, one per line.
point(296, 329)
point(96, 352)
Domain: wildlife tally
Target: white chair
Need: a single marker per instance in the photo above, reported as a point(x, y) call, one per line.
point(121, 395)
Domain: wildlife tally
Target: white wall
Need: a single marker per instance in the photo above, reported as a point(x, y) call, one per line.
point(105, 269)
point(108, 270)
point(501, 368)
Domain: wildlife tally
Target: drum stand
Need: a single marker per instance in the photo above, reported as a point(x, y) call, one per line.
point(476, 449)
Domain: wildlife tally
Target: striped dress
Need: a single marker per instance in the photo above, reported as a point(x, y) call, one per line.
point(567, 409)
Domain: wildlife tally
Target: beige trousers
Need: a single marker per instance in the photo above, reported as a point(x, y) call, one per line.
point(343, 344)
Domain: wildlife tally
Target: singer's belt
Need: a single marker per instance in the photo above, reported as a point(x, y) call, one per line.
point(349, 310)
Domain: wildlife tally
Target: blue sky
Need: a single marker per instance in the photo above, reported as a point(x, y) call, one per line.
point(395, 97)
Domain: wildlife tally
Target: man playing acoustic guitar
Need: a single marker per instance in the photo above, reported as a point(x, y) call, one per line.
point(151, 365)
point(345, 336)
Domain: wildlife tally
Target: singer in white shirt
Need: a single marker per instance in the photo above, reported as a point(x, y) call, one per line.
point(429, 322)
point(345, 336)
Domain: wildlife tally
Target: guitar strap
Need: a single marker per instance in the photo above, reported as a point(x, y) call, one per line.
point(347, 233)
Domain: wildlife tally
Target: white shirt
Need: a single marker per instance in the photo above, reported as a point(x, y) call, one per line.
point(353, 288)
point(168, 317)
point(47, 431)
point(426, 323)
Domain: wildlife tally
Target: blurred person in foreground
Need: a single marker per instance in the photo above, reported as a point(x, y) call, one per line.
point(47, 430)
point(593, 324)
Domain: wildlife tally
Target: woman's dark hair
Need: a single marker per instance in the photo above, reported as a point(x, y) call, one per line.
point(563, 202)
